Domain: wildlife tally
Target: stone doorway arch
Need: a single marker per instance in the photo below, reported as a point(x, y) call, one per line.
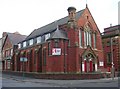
point(89, 61)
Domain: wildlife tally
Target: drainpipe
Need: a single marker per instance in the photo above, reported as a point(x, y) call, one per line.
point(64, 58)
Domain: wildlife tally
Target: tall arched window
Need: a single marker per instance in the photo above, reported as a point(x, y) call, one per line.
point(94, 39)
point(85, 41)
point(90, 41)
point(87, 36)
point(80, 38)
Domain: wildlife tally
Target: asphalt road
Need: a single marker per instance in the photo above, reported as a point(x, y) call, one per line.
point(16, 81)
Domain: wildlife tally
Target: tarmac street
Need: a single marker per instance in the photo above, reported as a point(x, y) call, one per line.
point(17, 81)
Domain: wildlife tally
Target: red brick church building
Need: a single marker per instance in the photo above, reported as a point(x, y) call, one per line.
point(71, 44)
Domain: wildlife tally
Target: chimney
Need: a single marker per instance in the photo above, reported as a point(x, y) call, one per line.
point(4, 34)
point(110, 25)
point(16, 32)
point(71, 14)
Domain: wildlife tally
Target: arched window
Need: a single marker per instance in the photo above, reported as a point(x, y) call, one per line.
point(85, 41)
point(80, 38)
point(87, 36)
point(94, 40)
point(90, 41)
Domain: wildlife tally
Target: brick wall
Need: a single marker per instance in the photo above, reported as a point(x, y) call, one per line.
point(61, 76)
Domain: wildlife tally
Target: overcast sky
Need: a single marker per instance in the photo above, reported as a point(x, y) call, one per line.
point(26, 15)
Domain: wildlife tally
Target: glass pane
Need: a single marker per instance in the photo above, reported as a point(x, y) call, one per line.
point(38, 39)
point(31, 42)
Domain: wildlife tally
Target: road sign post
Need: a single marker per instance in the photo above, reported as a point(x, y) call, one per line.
point(23, 60)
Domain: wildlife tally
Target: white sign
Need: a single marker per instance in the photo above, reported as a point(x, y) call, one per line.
point(23, 59)
point(101, 63)
point(56, 51)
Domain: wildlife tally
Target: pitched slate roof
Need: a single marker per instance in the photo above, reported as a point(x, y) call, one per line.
point(16, 38)
point(52, 26)
point(112, 28)
point(59, 34)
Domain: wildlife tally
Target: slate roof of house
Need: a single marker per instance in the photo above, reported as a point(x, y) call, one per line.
point(16, 38)
point(51, 27)
point(111, 31)
point(112, 28)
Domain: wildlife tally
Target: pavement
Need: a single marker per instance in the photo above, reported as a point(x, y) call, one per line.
point(17, 81)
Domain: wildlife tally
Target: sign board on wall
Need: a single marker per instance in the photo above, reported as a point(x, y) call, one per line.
point(56, 51)
point(101, 63)
point(23, 59)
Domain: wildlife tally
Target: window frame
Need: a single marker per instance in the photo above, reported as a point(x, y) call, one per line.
point(90, 38)
point(95, 40)
point(31, 41)
point(47, 36)
point(39, 39)
point(24, 44)
point(56, 43)
point(109, 59)
point(80, 39)
point(19, 45)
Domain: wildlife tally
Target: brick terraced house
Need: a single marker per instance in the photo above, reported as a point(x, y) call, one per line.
point(71, 44)
point(9, 44)
point(111, 46)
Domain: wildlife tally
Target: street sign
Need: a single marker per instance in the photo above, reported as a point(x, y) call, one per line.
point(23, 59)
